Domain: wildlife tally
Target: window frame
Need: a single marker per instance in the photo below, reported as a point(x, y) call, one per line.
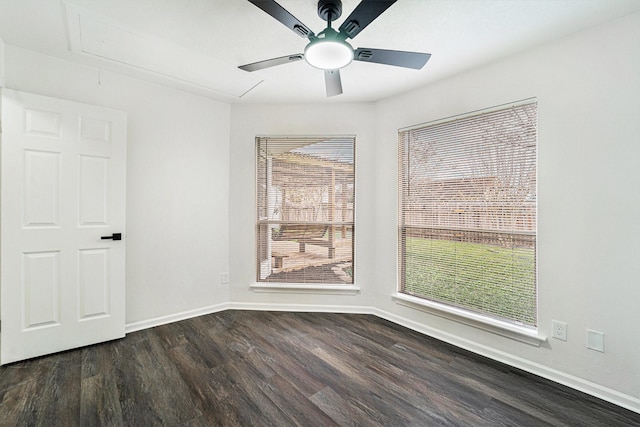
point(510, 327)
point(264, 254)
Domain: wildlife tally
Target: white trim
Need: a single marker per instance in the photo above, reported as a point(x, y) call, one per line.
point(302, 308)
point(163, 320)
point(473, 113)
point(71, 19)
point(519, 333)
point(301, 288)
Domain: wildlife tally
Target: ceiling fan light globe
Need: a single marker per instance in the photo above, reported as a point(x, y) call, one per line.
point(328, 54)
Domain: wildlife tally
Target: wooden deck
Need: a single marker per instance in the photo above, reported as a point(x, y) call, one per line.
point(314, 256)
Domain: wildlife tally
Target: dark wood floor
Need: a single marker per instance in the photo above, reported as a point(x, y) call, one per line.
point(279, 369)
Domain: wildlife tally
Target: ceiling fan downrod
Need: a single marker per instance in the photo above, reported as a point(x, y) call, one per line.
point(329, 10)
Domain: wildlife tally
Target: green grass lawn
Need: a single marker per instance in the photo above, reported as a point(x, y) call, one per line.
point(484, 278)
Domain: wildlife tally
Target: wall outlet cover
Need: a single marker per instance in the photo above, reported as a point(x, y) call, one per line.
point(595, 340)
point(559, 330)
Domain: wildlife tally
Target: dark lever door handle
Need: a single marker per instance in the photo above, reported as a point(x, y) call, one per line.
point(114, 236)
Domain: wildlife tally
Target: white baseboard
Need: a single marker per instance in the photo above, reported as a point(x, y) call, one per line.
point(593, 389)
point(163, 320)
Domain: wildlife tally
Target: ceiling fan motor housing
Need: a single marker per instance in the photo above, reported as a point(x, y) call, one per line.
point(329, 10)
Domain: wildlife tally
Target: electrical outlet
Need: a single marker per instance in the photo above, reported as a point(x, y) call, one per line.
point(224, 278)
point(559, 330)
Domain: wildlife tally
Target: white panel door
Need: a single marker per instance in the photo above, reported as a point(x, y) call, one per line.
point(62, 191)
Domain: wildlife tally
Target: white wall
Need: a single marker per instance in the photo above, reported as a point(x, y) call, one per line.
point(177, 181)
point(588, 91)
point(248, 121)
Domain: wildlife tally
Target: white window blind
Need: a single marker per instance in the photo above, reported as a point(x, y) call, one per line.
point(305, 209)
point(468, 212)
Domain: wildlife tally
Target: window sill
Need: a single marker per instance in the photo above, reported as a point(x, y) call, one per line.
point(519, 333)
point(301, 288)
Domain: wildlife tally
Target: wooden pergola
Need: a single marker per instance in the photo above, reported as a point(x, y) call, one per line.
point(293, 172)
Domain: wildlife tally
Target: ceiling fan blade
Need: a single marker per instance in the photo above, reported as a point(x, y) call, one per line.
point(272, 62)
point(333, 82)
point(282, 15)
point(363, 15)
point(399, 58)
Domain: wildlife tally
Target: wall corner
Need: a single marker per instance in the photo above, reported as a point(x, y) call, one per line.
point(1, 63)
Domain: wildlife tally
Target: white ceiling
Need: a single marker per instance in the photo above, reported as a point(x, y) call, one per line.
point(197, 45)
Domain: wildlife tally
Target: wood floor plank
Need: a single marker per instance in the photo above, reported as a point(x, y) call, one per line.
point(395, 386)
point(339, 409)
point(96, 360)
point(24, 371)
point(252, 368)
point(211, 401)
point(299, 409)
point(160, 381)
point(99, 401)
point(356, 388)
point(60, 393)
point(239, 409)
point(17, 403)
point(250, 383)
point(292, 357)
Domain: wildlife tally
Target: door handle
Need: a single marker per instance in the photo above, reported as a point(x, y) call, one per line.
point(114, 236)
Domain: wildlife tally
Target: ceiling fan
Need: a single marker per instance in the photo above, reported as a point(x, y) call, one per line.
point(329, 50)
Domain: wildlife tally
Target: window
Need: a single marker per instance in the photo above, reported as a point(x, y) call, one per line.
point(305, 206)
point(467, 212)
